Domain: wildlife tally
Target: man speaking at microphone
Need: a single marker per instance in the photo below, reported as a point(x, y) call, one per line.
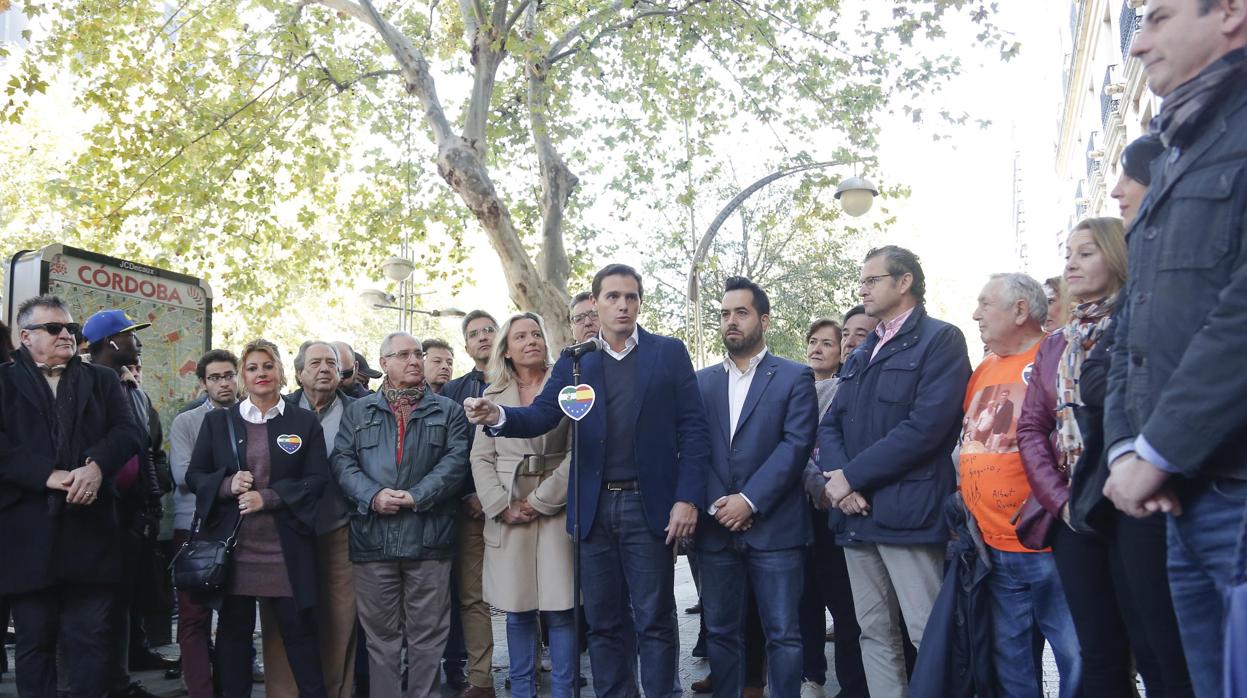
point(644, 452)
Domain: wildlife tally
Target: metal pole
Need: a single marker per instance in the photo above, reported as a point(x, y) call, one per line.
point(703, 246)
point(576, 534)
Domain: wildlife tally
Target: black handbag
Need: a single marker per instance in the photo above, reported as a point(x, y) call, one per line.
point(202, 566)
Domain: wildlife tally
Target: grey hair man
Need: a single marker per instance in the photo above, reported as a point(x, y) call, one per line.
point(57, 471)
point(318, 372)
point(1025, 588)
point(402, 531)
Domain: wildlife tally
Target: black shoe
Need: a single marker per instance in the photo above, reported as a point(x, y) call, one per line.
point(455, 678)
point(134, 690)
point(174, 673)
point(150, 661)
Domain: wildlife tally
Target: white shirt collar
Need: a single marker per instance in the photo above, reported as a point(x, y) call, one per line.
point(629, 344)
point(252, 414)
point(733, 370)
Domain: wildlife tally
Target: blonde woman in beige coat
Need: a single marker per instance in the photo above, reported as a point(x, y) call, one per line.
point(522, 485)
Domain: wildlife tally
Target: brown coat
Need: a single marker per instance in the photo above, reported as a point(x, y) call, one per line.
point(527, 566)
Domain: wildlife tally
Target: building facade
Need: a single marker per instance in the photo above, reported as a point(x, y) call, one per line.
point(1106, 105)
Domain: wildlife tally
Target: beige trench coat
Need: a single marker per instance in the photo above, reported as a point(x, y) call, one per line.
point(527, 566)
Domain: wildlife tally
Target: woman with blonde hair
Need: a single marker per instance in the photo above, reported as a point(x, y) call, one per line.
point(257, 472)
point(522, 485)
point(1111, 567)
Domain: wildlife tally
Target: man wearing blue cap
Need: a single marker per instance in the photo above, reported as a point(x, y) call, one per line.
point(113, 343)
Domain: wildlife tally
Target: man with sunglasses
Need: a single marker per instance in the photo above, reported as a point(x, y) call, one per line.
point(65, 433)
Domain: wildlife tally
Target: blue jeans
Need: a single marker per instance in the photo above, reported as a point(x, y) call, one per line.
point(777, 576)
point(522, 638)
point(622, 559)
point(1203, 544)
point(1027, 596)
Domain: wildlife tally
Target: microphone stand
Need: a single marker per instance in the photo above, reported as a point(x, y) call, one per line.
point(576, 604)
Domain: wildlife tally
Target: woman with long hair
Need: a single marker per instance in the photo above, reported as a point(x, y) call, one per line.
point(522, 484)
point(1113, 574)
point(257, 472)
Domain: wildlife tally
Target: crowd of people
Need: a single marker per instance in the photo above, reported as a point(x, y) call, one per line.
point(1083, 487)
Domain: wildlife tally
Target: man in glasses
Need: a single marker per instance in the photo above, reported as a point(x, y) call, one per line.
point(217, 371)
point(471, 631)
point(401, 456)
point(65, 433)
point(584, 317)
point(346, 369)
point(884, 448)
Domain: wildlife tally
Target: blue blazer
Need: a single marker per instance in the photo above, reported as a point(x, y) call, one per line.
point(892, 427)
point(767, 455)
point(671, 436)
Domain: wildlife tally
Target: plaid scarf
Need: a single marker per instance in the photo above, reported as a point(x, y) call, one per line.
point(1086, 326)
point(1183, 110)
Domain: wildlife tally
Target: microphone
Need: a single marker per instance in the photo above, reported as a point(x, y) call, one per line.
point(576, 351)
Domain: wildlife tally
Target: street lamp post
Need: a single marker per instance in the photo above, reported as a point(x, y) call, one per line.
point(855, 194)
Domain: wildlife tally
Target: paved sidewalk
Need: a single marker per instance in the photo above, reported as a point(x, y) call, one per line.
point(690, 669)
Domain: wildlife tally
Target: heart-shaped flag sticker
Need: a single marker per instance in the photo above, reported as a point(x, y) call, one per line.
point(577, 400)
point(289, 443)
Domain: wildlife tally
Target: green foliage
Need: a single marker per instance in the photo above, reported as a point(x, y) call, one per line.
point(260, 143)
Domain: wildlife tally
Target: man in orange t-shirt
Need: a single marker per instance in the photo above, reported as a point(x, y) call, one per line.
point(1025, 589)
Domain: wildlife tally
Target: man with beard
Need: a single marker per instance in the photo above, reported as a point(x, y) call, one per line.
point(762, 414)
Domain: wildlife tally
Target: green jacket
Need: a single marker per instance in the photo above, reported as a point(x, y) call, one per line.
point(434, 465)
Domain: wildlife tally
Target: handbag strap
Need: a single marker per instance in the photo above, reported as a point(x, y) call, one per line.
point(233, 445)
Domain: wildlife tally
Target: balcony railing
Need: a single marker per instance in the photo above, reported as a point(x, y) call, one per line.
point(1110, 95)
point(1131, 20)
point(1095, 156)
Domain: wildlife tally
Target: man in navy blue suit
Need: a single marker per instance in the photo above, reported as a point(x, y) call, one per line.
point(643, 463)
point(763, 418)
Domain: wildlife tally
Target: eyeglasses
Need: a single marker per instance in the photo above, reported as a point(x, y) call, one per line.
point(347, 372)
point(487, 330)
point(55, 328)
point(219, 377)
point(870, 281)
point(405, 356)
point(585, 317)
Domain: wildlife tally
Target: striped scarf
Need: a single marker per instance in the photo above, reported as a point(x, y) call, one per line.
point(1086, 326)
point(1183, 110)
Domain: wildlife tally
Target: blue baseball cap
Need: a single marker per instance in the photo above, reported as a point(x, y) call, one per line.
point(107, 323)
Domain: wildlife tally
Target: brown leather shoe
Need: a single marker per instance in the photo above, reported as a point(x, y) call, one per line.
point(476, 692)
point(705, 685)
point(751, 693)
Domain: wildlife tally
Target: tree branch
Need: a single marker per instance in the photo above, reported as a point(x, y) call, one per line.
point(411, 61)
point(557, 181)
point(613, 28)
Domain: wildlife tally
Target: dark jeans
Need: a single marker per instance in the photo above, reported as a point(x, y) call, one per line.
point(194, 637)
point(235, 626)
point(622, 559)
point(79, 613)
point(1203, 545)
point(1138, 560)
point(778, 576)
point(1027, 596)
point(1082, 561)
point(827, 586)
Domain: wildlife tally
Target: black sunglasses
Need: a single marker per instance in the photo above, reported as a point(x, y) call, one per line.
point(55, 328)
point(346, 373)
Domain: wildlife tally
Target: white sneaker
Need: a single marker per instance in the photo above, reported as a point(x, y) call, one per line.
point(545, 659)
point(809, 689)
